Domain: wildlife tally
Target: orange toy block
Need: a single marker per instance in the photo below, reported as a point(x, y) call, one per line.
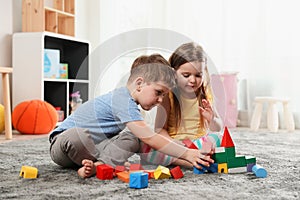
point(226, 139)
point(123, 176)
point(189, 144)
point(176, 172)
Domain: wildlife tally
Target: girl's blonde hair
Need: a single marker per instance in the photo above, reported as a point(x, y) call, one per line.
point(190, 52)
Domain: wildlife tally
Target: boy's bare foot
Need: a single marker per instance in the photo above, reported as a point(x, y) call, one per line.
point(88, 169)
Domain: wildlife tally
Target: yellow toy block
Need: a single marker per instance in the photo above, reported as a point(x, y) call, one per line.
point(162, 172)
point(222, 168)
point(29, 172)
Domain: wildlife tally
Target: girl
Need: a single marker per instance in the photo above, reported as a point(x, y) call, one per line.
point(187, 112)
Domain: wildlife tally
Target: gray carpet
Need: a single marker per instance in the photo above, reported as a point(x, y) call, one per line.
point(279, 153)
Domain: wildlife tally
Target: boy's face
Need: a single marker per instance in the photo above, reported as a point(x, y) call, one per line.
point(151, 94)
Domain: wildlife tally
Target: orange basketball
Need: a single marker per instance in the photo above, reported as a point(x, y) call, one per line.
point(34, 117)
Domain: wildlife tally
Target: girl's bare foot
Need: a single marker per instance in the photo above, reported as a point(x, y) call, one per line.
point(88, 169)
point(127, 166)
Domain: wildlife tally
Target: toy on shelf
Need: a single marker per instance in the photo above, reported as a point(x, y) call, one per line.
point(226, 160)
point(76, 101)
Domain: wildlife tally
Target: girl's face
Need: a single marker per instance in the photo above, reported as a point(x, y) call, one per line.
point(190, 78)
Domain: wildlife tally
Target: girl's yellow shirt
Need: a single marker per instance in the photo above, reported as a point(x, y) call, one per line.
point(190, 126)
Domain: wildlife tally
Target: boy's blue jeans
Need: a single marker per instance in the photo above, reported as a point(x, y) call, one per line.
point(69, 148)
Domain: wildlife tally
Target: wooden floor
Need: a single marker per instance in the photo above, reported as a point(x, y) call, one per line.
point(19, 136)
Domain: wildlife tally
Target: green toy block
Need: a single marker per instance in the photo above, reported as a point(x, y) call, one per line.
point(220, 157)
point(250, 159)
point(238, 161)
point(230, 152)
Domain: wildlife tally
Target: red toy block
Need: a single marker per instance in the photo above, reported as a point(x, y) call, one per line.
point(176, 172)
point(226, 140)
point(150, 173)
point(189, 144)
point(119, 168)
point(105, 172)
point(135, 167)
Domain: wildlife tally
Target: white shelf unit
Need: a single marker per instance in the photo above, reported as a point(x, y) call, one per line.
point(28, 64)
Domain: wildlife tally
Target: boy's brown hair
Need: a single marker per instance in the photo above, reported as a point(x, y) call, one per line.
point(153, 68)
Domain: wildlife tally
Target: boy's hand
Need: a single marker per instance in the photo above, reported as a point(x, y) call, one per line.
point(206, 111)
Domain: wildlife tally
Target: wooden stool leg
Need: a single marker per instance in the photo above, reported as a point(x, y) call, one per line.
point(255, 121)
point(272, 117)
point(288, 117)
point(7, 110)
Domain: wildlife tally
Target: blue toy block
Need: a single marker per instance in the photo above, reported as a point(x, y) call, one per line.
point(213, 168)
point(259, 171)
point(138, 180)
point(198, 171)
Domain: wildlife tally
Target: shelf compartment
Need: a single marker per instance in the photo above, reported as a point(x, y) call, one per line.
point(57, 16)
point(51, 21)
point(55, 94)
point(74, 53)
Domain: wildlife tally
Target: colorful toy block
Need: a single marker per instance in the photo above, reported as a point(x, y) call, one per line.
point(198, 171)
point(176, 172)
point(119, 168)
point(150, 173)
point(229, 162)
point(237, 170)
point(238, 161)
point(162, 172)
point(222, 168)
point(189, 144)
point(135, 167)
point(123, 176)
point(29, 172)
point(250, 159)
point(219, 149)
point(138, 180)
point(230, 152)
point(213, 168)
point(104, 172)
point(226, 139)
point(259, 171)
point(249, 167)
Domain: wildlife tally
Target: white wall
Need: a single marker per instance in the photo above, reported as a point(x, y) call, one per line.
point(6, 30)
point(258, 38)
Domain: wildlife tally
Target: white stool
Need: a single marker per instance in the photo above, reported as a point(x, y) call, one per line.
point(272, 114)
point(5, 71)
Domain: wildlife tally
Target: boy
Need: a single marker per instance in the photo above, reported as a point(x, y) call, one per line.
point(91, 135)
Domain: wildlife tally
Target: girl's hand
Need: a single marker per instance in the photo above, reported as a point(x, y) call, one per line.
point(198, 157)
point(206, 111)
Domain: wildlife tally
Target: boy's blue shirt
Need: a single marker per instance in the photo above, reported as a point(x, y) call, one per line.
point(105, 115)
